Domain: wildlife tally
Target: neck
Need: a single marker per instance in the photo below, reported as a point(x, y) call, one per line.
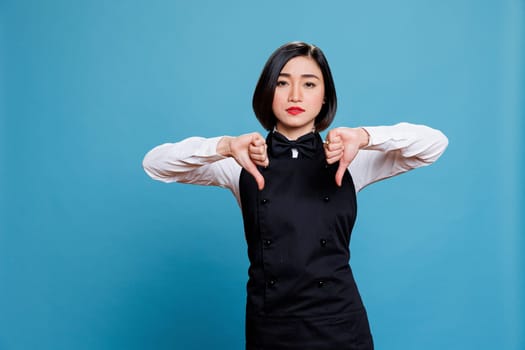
point(293, 134)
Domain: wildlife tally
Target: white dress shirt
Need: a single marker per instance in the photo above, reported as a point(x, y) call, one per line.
point(391, 150)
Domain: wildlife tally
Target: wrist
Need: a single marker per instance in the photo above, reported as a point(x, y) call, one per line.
point(224, 146)
point(364, 138)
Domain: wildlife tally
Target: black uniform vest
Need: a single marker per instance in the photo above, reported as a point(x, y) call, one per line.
point(301, 292)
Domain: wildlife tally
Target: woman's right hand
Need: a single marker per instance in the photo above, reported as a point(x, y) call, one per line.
point(249, 150)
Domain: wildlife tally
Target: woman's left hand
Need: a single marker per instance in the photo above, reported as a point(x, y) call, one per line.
point(343, 144)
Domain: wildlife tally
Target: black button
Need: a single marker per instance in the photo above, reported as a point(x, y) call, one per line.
point(267, 242)
point(264, 201)
point(271, 283)
point(326, 199)
point(320, 284)
point(323, 242)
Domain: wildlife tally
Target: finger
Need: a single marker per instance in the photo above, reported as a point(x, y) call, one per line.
point(333, 136)
point(332, 147)
point(328, 142)
point(261, 160)
point(345, 161)
point(257, 149)
point(261, 157)
point(340, 173)
point(258, 140)
point(332, 160)
point(252, 169)
point(333, 156)
point(334, 139)
point(266, 159)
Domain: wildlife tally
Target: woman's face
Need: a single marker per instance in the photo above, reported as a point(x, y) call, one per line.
point(298, 97)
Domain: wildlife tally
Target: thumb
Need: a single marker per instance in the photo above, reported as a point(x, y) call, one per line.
point(252, 169)
point(343, 165)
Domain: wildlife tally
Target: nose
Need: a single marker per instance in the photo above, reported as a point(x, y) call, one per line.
point(295, 94)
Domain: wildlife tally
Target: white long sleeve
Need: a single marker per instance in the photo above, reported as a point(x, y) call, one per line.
point(392, 150)
point(395, 149)
point(195, 161)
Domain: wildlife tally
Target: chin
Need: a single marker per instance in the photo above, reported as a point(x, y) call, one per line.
point(297, 124)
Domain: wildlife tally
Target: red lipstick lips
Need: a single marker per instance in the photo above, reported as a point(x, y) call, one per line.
point(295, 110)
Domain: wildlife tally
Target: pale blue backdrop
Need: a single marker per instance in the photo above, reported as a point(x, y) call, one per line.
point(95, 255)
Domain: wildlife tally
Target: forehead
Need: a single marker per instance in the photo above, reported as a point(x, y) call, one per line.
point(302, 65)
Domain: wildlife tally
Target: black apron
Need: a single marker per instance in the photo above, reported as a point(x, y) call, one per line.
point(301, 293)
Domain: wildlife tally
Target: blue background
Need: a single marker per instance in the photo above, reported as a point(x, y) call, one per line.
point(95, 255)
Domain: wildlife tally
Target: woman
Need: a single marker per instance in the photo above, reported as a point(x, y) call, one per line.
point(298, 199)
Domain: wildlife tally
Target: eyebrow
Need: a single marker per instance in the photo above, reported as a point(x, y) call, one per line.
point(288, 75)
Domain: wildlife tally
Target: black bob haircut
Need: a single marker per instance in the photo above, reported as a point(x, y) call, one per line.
point(265, 89)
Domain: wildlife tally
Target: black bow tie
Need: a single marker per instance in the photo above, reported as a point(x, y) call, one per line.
point(280, 146)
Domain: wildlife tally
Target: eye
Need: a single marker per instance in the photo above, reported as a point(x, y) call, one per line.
point(309, 85)
point(281, 83)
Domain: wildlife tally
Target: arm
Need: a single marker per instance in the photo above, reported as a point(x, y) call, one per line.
point(194, 160)
point(375, 153)
point(216, 161)
point(393, 150)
